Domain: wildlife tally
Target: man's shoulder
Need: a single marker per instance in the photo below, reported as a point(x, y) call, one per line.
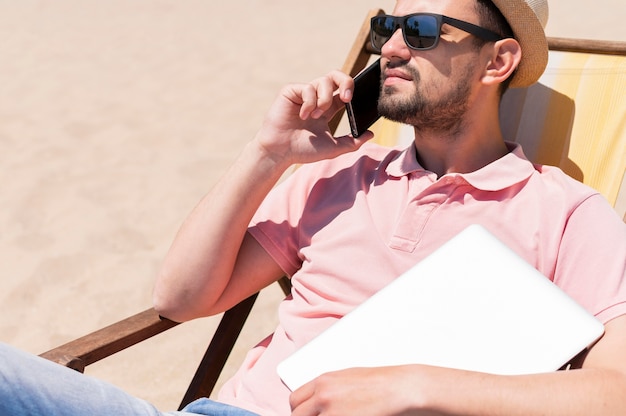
point(560, 189)
point(556, 177)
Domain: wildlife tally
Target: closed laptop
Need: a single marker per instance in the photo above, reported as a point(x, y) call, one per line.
point(473, 304)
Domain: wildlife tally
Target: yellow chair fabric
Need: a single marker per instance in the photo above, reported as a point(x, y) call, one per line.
point(574, 118)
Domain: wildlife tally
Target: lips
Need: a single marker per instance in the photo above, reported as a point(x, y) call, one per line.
point(394, 75)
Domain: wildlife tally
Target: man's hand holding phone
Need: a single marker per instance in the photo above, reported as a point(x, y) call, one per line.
point(296, 130)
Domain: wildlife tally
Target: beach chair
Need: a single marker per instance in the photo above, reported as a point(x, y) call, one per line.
point(577, 113)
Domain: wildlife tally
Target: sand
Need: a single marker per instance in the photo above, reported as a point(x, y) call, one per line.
point(115, 118)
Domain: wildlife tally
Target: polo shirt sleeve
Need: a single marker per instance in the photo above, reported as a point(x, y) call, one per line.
point(275, 225)
point(591, 265)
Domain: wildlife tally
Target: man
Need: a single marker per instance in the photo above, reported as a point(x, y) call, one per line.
point(346, 225)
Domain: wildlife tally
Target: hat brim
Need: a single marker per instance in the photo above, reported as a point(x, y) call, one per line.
point(529, 33)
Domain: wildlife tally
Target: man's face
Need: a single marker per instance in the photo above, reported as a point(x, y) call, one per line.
point(430, 89)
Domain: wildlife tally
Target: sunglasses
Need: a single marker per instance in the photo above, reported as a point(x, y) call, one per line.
point(421, 31)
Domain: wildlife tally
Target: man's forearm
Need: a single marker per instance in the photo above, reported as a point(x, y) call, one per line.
point(568, 393)
point(425, 390)
point(201, 259)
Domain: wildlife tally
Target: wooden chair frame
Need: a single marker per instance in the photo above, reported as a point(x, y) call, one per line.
point(93, 347)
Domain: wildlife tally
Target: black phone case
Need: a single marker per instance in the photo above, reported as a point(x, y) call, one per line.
point(363, 108)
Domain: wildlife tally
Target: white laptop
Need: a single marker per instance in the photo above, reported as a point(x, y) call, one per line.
point(473, 304)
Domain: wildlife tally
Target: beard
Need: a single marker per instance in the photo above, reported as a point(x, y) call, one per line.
point(427, 108)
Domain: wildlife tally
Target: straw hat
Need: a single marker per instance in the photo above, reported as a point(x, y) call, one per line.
point(528, 19)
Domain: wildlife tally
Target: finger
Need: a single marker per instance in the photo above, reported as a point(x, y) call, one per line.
point(307, 408)
point(334, 90)
point(344, 91)
point(308, 95)
point(302, 401)
point(300, 395)
point(344, 85)
point(325, 95)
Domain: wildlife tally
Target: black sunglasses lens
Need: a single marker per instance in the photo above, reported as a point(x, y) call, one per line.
point(382, 29)
point(421, 32)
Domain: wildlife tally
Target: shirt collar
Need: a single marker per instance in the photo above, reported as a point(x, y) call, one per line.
point(510, 169)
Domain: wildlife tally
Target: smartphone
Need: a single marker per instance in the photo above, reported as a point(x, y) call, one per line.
point(363, 108)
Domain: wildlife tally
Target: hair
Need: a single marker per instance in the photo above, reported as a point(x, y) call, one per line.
point(491, 18)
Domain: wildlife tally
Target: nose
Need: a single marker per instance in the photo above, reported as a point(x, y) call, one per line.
point(396, 47)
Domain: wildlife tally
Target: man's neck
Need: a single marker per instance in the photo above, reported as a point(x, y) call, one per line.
point(464, 152)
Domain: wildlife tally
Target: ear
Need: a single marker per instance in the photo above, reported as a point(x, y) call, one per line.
point(504, 57)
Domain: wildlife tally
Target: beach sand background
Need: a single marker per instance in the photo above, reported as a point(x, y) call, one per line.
point(115, 118)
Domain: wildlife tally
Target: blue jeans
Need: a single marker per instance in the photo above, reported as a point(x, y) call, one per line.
point(33, 386)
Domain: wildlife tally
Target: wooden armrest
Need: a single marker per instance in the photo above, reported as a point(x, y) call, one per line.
point(107, 341)
point(93, 347)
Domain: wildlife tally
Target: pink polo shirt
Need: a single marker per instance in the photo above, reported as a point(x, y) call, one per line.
point(344, 228)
